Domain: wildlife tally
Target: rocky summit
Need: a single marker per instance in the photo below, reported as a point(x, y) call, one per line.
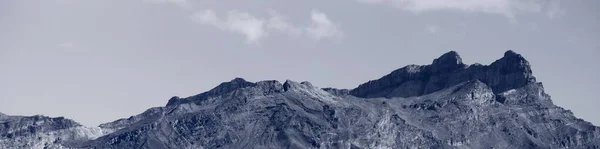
point(446, 104)
point(509, 72)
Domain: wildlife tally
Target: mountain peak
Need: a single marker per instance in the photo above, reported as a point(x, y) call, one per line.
point(222, 88)
point(509, 72)
point(232, 85)
point(238, 80)
point(510, 53)
point(450, 57)
point(447, 62)
point(515, 68)
point(515, 57)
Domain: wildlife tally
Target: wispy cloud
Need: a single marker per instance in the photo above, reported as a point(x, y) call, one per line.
point(235, 21)
point(255, 28)
point(280, 23)
point(322, 27)
point(504, 7)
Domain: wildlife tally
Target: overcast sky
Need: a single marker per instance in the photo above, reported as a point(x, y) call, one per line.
point(95, 61)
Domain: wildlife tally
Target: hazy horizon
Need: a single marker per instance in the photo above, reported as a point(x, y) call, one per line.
point(98, 61)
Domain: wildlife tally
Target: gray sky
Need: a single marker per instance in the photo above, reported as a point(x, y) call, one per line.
point(99, 60)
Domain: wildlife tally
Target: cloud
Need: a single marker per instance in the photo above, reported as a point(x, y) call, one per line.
point(279, 22)
point(504, 7)
point(246, 24)
point(256, 28)
point(235, 21)
point(322, 27)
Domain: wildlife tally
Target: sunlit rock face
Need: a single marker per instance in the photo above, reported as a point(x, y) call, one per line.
point(447, 104)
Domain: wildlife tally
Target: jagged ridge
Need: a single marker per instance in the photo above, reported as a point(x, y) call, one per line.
point(510, 72)
point(449, 105)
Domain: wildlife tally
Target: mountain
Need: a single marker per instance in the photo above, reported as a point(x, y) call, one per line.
point(447, 104)
point(43, 132)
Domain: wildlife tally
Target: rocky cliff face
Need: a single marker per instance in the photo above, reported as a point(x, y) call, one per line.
point(447, 104)
point(510, 72)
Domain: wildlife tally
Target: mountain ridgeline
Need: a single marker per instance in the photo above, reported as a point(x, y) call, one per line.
point(510, 72)
point(447, 104)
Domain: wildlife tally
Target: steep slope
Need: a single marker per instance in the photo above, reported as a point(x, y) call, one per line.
point(39, 132)
point(447, 104)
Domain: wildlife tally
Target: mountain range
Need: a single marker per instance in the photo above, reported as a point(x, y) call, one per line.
point(446, 104)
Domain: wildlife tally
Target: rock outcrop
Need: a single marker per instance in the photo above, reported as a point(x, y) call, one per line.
point(509, 72)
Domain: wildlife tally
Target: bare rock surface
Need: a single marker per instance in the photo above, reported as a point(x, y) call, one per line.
point(509, 72)
point(447, 104)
